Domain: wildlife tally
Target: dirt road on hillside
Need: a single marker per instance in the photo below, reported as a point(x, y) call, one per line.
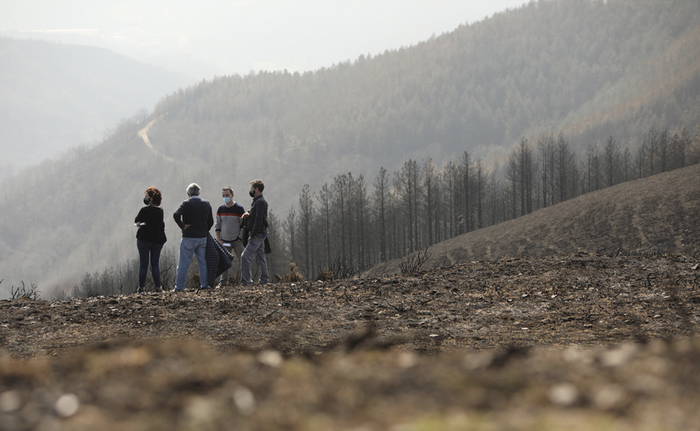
point(143, 134)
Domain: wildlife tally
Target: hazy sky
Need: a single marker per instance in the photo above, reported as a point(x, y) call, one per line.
point(228, 36)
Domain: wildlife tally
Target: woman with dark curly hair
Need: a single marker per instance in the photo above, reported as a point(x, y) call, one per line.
point(150, 237)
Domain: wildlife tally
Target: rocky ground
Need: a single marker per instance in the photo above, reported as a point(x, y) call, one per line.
point(584, 342)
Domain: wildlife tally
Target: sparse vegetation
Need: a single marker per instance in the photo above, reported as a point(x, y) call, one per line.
point(28, 292)
point(293, 276)
point(411, 264)
point(325, 275)
point(423, 205)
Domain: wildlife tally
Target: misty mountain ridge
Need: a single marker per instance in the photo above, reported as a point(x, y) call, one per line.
point(57, 96)
point(588, 69)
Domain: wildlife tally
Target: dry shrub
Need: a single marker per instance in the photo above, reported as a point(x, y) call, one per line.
point(411, 264)
point(325, 275)
point(24, 292)
point(293, 275)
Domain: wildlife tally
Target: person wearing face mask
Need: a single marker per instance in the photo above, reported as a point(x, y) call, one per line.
point(150, 237)
point(228, 228)
point(257, 232)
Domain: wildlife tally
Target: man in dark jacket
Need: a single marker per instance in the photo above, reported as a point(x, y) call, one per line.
point(257, 232)
point(194, 216)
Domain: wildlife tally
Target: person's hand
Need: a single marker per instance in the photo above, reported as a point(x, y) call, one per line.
point(186, 226)
point(245, 214)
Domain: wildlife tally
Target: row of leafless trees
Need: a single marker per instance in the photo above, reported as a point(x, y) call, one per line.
point(348, 226)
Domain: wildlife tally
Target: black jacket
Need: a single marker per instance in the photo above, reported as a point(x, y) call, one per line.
point(257, 221)
point(197, 213)
point(154, 230)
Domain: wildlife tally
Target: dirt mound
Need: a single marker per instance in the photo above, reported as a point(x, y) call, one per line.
point(657, 214)
point(585, 339)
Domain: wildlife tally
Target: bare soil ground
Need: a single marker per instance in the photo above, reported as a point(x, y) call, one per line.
point(580, 341)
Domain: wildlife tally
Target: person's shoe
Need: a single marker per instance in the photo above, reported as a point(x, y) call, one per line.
point(159, 289)
point(139, 289)
point(176, 290)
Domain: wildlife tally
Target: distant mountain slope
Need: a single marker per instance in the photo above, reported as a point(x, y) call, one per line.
point(658, 214)
point(55, 96)
point(591, 69)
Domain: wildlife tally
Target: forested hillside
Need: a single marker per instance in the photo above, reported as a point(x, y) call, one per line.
point(57, 96)
point(590, 69)
point(587, 71)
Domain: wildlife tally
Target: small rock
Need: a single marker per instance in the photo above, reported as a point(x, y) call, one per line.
point(407, 360)
point(10, 401)
point(67, 405)
point(610, 397)
point(619, 356)
point(271, 358)
point(244, 400)
point(563, 395)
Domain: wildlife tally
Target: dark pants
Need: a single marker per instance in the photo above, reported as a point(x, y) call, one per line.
point(149, 251)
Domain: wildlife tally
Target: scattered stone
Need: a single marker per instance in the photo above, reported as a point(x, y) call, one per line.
point(10, 401)
point(67, 405)
point(244, 400)
point(610, 397)
point(619, 356)
point(563, 395)
point(271, 358)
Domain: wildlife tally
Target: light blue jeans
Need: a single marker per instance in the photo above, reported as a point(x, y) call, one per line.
point(255, 247)
point(188, 247)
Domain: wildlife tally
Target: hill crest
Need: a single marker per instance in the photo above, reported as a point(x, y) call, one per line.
point(657, 214)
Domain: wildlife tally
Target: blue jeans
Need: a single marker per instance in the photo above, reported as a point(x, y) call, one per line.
point(149, 251)
point(188, 247)
point(255, 247)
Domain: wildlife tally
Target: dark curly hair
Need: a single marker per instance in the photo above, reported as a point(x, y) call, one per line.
point(155, 195)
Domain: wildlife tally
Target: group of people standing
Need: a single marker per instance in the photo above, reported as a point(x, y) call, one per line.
point(241, 233)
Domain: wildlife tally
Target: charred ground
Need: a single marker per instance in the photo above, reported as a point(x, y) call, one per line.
point(527, 343)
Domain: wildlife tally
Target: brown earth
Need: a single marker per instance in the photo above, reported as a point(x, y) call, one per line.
point(578, 341)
